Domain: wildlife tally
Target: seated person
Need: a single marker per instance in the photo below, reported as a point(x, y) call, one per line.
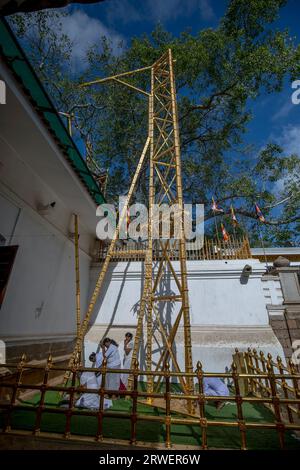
point(92, 380)
point(214, 386)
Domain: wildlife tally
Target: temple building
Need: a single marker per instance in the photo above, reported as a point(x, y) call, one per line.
point(44, 181)
point(199, 335)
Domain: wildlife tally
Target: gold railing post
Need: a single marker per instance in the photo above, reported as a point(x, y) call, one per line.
point(251, 368)
point(7, 425)
point(284, 387)
point(239, 405)
point(168, 406)
point(263, 363)
point(201, 401)
point(44, 386)
point(239, 359)
point(103, 369)
point(69, 411)
point(276, 404)
point(296, 383)
point(134, 395)
point(257, 368)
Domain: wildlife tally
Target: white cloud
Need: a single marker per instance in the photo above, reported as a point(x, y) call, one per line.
point(158, 10)
point(206, 10)
point(84, 31)
point(289, 139)
point(122, 10)
point(283, 111)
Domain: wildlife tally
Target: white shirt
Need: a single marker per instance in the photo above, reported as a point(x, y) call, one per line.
point(113, 357)
point(99, 359)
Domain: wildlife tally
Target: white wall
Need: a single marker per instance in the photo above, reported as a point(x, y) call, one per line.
point(217, 294)
point(272, 290)
point(40, 298)
point(227, 310)
point(39, 303)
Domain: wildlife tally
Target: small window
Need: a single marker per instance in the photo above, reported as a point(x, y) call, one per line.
point(7, 258)
point(2, 240)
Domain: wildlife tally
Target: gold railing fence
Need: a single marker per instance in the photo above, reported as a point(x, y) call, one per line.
point(285, 381)
point(200, 249)
point(276, 389)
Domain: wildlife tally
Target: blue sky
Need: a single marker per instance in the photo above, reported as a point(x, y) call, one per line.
point(274, 116)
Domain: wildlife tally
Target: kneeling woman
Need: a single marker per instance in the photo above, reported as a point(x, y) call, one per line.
point(91, 400)
point(111, 353)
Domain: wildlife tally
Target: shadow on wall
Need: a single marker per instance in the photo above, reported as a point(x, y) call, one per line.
point(163, 319)
point(102, 295)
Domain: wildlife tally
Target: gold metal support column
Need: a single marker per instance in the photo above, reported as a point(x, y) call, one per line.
point(102, 274)
point(182, 246)
point(164, 302)
point(77, 274)
point(150, 245)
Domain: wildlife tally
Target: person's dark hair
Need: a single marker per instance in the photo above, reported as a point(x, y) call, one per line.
point(129, 334)
point(112, 341)
point(92, 357)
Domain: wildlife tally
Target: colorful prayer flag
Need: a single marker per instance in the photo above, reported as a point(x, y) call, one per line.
point(224, 233)
point(259, 214)
point(233, 217)
point(215, 207)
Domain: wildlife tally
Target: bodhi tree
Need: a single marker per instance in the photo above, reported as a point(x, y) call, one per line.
point(219, 75)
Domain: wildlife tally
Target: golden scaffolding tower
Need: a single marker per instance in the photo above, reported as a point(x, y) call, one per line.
point(162, 153)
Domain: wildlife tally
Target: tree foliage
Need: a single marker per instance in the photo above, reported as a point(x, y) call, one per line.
point(219, 75)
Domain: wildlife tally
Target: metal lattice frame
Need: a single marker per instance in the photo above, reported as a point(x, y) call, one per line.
point(165, 186)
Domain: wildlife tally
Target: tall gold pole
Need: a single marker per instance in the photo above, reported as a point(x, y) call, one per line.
point(165, 186)
point(77, 274)
point(150, 243)
point(102, 274)
point(182, 247)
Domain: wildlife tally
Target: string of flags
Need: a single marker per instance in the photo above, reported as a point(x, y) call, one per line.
point(216, 208)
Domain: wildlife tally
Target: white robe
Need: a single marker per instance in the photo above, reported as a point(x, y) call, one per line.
point(127, 362)
point(113, 362)
point(214, 386)
point(91, 400)
point(99, 359)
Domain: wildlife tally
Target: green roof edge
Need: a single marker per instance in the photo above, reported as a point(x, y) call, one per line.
point(16, 60)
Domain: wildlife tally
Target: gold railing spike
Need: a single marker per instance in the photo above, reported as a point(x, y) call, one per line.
point(292, 366)
point(23, 359)
point(279, 360)
point(269, 356)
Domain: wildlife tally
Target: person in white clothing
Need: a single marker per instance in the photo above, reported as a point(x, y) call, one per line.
point(97, 359)
point(93, 381)
point(111, 353)
point(128, 349)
